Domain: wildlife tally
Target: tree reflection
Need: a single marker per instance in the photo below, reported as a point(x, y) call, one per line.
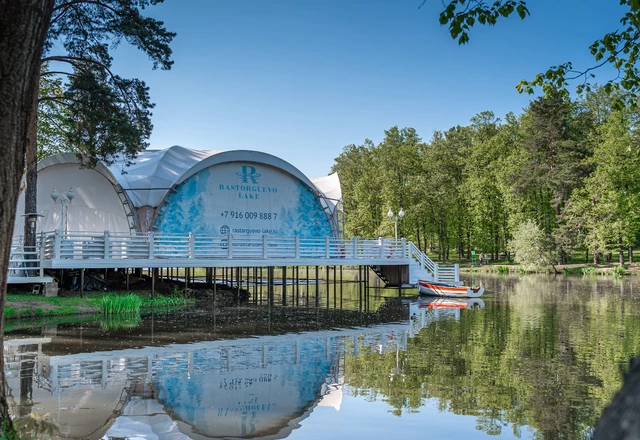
point(544, 353)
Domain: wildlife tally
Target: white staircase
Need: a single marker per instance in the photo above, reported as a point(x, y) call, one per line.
point(421, 267)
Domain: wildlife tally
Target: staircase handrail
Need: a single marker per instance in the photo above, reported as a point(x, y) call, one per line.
point(422, 258)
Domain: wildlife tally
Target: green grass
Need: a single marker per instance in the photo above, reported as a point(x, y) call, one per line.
point(132, 303)
point(13, 312)
point(59, 301)
point(28, 305)
point(113, 304)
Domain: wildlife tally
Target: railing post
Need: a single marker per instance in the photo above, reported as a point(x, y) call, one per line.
point(355, 247)
point(191, 244)
point(327, 248)
point(41, 253)
point(57, 244)
point(296, 244)
point(151, 245)
point(107, 244)
point(457, 272)
point(264, 246)
point(404, 247)
point(381, 241)
point(435, 272)
point(229, 246)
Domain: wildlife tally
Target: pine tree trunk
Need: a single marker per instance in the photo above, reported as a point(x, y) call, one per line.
point(23, 29)
point(596, 257)
point(31, 180)
point(586, 257)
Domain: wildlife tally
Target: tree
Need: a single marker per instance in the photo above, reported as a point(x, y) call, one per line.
point(528, 245)
point(360, 186)
point(619, 49)
point(108, 114)
point(103, 114)
point(607, 206)
point(23, 31)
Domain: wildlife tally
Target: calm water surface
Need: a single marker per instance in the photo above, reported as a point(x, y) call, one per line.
point(538, 357)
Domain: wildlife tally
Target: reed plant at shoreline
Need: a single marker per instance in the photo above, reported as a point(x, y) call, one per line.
point(121, 304)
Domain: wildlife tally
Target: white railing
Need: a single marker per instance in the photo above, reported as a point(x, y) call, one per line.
point(107, 245)
point(448, 273)
point(26, 262)
point(422, 258)
point(118, 248)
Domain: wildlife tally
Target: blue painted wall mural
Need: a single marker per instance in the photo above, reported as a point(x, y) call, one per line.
point(243, 198)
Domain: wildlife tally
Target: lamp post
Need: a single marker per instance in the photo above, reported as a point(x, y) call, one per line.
point(395, 218)
point(57, 198)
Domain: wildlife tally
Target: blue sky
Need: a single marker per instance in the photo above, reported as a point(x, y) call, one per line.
point(301, 79)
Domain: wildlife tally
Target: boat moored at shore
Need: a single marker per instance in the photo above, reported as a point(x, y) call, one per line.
point(448, 290)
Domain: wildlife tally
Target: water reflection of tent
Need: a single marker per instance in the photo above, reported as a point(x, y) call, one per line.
point(254, 400)
point(244, 388)
point(197, 399)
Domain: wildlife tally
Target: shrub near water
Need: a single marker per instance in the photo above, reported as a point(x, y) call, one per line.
point(120, 304)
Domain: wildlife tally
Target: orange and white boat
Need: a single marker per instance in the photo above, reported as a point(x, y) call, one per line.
point(449, 290)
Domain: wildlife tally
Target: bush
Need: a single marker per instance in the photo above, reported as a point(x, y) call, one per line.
point(618, 271)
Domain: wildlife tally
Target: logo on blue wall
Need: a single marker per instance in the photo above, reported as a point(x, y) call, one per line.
point(248, 173)
point(224, 230)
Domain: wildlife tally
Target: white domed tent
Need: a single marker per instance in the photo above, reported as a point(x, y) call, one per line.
point(179, 190)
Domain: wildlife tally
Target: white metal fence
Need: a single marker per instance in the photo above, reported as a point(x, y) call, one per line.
point(120, 246)
point(119, 249)
point(25, 261)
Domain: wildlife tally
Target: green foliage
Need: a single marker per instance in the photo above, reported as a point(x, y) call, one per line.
point(96, 113)
point(618, 49)
point(618, 271)
point(52, 116)
point(510, 367)
point(529, 247)
point(8, 433)
point(120, 321)
point(588, 271)
point(113, 304)
point(572, 167)
point(461, 15)
point(132, 303)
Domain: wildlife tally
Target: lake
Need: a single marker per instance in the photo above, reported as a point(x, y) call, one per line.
point(538, 357)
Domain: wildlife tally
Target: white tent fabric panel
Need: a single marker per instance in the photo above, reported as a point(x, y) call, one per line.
point(96, 206)
point(154, 172)
point(330, 187)
point(146, 183)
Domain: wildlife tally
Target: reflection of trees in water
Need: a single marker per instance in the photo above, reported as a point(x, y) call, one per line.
point(545, 352)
